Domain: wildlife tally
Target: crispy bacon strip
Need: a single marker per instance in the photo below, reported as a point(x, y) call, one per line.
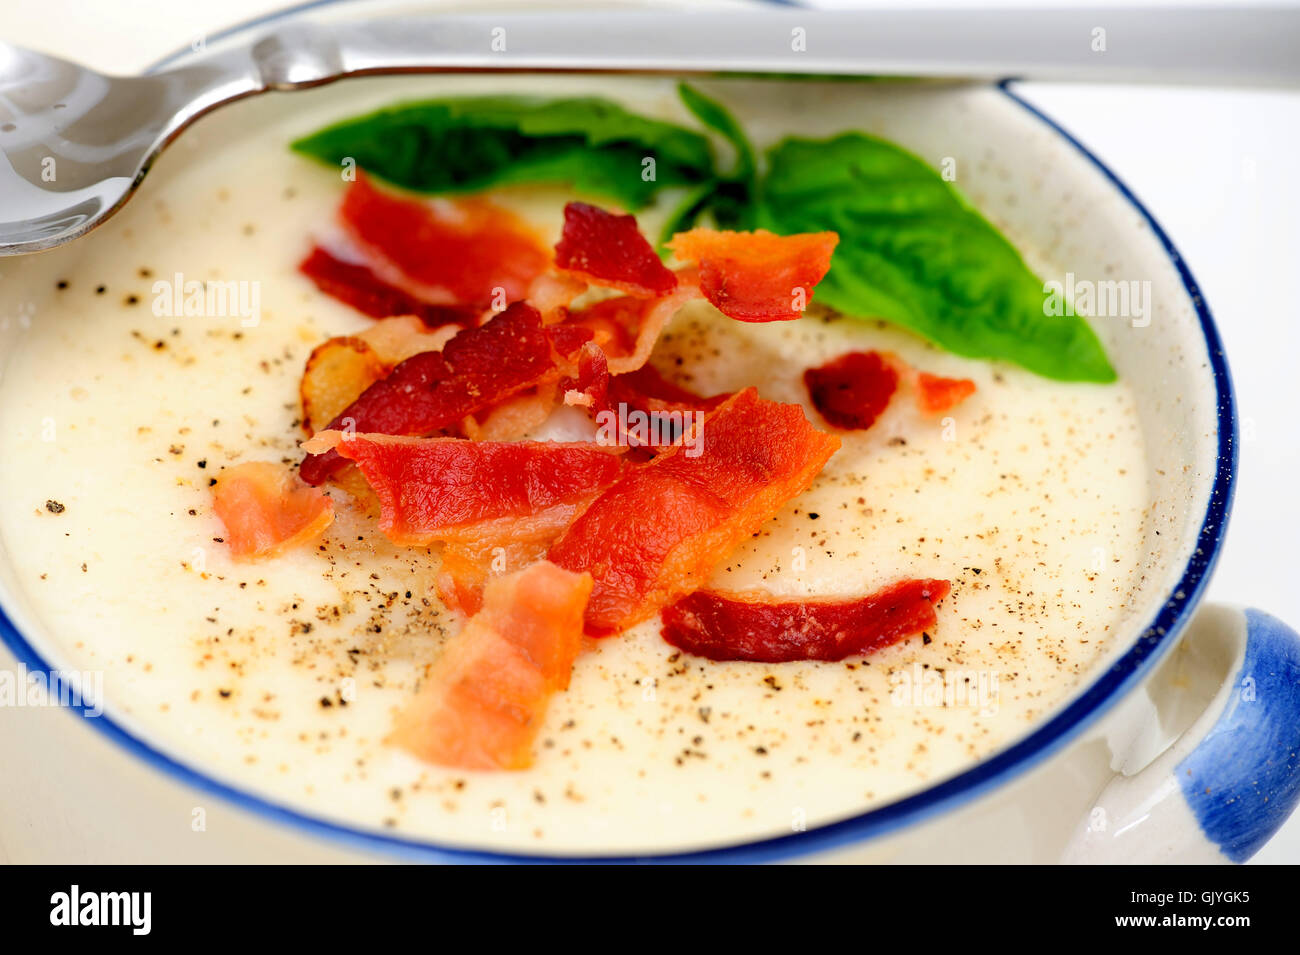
point(853, 390)
point(568, 339)
point(467, 566)
point(658, 532)
point(456, 251)
point(749, 276)
point(551, 294)
point(613, 323)
point(494, 505)
point(450, 489)
point(612, 401)
point(360, 287)
point(757, 276)
point(396, 339)
point(513, 418)
point(608, 249)
point(935, 395)
point(647, 390)
point(645, 410)
point(476, 369)
point(589, 388)
point(338, 370)
point(266, 510)
point(651, 317)
point(485, 698)
point(464, 573)
point(757, 628)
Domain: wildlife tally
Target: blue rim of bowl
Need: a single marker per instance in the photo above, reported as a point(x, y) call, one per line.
point(988, 774)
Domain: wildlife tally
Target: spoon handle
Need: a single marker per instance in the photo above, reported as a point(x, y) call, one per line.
point(1217, 45)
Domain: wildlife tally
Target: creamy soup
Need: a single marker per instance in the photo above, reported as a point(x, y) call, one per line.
point(283, 677)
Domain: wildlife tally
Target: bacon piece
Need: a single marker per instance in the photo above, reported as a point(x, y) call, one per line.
point(613, 323)
point(494, 505)
point(644, 389)
point(512, 418)
point(463, 574)
point(626, 327)
point(757, 628)
point(589, 388)
point(353, 483)
point(608, 249)
point(456, 251)
point(485, 699)
point(552, 293)
point(397, 339)
point(467, 566)
point(658, 532)
point(647, 390)
point(757, 276)
point(654, 315)
point(358, 286)
point(450, 489)
point(935, 395)
point(337, 371)
point(853, 390)
point(568, 339)
point(340, 369)
point(623, 405)
point(266, 510)
point(645, 410)
point(405, 402)
point(476, 369)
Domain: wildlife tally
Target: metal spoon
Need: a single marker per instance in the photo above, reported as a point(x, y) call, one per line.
point(75, 144)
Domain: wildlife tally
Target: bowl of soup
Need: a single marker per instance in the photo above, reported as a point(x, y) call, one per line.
point(745, 513)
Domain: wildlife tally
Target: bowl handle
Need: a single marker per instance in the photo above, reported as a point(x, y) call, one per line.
point(1221, 790)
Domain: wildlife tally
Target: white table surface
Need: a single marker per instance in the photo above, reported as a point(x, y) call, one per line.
point(1217, 169)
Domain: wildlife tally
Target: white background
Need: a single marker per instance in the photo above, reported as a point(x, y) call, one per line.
point(1217, 169)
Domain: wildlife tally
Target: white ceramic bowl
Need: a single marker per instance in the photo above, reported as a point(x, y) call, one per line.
point(1180, 747)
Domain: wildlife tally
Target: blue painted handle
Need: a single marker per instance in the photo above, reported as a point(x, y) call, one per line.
point(1242, 780)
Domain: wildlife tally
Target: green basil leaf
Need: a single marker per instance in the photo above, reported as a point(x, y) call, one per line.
point(731, 201)
point(717, 118)
point(912, 251)
point(469, 143)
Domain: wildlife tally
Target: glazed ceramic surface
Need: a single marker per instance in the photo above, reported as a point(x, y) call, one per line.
point(1177, 745)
